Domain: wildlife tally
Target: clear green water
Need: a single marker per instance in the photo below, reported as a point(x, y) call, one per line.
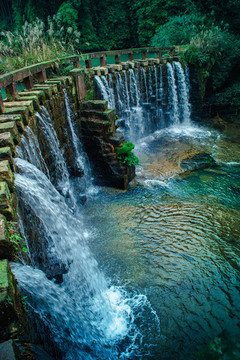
point(176, 240)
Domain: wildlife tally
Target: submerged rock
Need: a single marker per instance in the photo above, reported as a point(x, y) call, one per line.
point(197, 161)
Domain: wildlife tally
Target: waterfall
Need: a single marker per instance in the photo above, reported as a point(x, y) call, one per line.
point(29, 150)
point(149, 100)
point(126, 92)
point(102, 88)
point(58, 170)
point(143, 75)
point(134, 92)
point(150, 90)
point(88, 318)
point(172, 96)
point(79, 159)
point(183, 95)
point(111, 90)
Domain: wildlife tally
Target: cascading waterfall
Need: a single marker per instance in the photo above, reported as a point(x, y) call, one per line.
point(59, 174)
point(172, 98)
point(88, 318)
point(150, 100)
point(29, 150)
point(111, 90)
point(183, 95)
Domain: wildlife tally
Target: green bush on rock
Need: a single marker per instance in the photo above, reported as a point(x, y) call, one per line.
point(125, 154)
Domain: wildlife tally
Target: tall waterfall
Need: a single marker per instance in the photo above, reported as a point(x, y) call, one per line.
point(58, 172)
point(148, 100)
point(87, 317)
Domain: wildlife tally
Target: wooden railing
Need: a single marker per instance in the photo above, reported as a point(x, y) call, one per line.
point(37, 72)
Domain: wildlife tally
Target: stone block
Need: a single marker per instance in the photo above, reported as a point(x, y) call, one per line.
point(95, 105)
point(6, 248)
point(48, 90)
point(142, 62)
point(6, 139)
point(97, 71)
point(6, 174)
point(34, 98)
point(6, 201)
point(22, 103)
point(6, 154)
point(114, 67)
point(17, 118)
point(131, 64)
point(23, 110)
point(10, 127)
point(104, 70)
point(39, 93)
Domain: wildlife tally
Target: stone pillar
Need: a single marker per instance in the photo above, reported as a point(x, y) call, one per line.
point(144, 54)
point(76, 63)
point(41, 76)
point(88, 63)
point(172, 51)
point(131, 56)
point(11, 91)
point(1, 103)
point(103, 60)
point(159, 53)
point(118, 59)
point(28, 82)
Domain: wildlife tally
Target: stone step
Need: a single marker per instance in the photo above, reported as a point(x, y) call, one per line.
point(50, 89)
point(22, 103)
point(33, 98)
point(11, 127)
point(6, 139)
point(17, 118)
point(95, 105)
point(107, 115)
point(22, 110)
point(6, 154)
point(39, 93)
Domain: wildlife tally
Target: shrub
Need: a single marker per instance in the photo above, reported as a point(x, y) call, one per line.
point(178, 30)
point(216, 52)
point(125, 154)
point(36, 43)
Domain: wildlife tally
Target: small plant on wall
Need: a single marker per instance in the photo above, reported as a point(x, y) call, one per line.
point(125, 154)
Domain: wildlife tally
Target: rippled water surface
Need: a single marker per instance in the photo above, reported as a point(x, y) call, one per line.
point(175, 238)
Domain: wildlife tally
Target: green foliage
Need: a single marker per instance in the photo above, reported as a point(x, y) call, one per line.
point(178, 30)
point(216, 51)
point(35, 42)
point(16, 240)
point(125, 154)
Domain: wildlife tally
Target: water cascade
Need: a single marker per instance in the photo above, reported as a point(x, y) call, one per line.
point(149, 100)
point(172, 98)
point(84, 307)
point(183, 95)
point(58, 170)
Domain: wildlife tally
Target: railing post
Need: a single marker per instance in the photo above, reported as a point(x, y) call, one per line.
point(11, 91)
point(41, 76)
point(28, 82)
point(159, 53)
point(172, 51)
point(144, 54)
point(1, 103)
point(103, 60)
point(117, 59)
point(76, 63)
point(131, 56)
point(88, 63)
